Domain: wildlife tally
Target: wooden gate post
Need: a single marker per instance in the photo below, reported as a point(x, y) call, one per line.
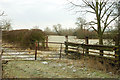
point(36, 46)
point(86, 42)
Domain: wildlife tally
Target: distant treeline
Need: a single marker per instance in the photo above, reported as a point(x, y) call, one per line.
point(80, 33)
point(24, 37)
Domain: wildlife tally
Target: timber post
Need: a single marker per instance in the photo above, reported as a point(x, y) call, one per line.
point(36, 46)
point(86, 42)
point(47, 42)
point(117, 50)
point(117, 45)
point(66, 45)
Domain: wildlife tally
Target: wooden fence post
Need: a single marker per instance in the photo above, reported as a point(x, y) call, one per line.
point(86, 42)
point(36, 46)
point(117, 52)
point(66, 45)
point(66, 37)
point(66, 48)
point(46, 41)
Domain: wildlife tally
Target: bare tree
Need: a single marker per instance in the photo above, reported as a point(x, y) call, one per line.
point(102, 10)
point(57, 29)
point(35, 27)
point(117, 26)
point(1, 14)
point(6, 24)
point(80, 22)
point(47, 29)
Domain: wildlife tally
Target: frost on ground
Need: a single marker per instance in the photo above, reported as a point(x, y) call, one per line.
point(52, 69)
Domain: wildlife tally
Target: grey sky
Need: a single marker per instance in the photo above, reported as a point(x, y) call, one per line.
point(28, 13)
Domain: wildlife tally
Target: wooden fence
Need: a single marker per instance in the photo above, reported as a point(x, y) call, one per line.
point(113, 52)
point(109, 52)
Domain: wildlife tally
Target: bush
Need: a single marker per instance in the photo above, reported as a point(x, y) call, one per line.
point(82, 33)
point(24, 38)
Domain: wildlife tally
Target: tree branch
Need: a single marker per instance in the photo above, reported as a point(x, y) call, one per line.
point(74, 4)
point(104, 3)
point(108, 17)
point(90, 11)
point(92, 23)
point(95, 29)
point(112, 20)
point(2, 13)
point(109, 23)
point(107, 10)
point(88, 4)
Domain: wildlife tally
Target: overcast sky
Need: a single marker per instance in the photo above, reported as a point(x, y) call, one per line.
point(25, 14)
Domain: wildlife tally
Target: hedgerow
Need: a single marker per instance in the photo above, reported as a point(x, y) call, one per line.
point(25, 38)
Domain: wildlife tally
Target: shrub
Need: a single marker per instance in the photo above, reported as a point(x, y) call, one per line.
point(24, 38)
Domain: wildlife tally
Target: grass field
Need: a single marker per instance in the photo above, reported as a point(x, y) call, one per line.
point(52, 69)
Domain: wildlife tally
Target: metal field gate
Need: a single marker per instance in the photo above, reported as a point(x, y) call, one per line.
point(54, 50)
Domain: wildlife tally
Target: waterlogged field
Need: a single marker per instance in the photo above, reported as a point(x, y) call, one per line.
point(62, 39)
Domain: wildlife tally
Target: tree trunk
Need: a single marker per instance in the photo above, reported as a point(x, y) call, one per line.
point(101, 42)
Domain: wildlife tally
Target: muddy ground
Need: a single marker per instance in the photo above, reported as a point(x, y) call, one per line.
point(64, 68)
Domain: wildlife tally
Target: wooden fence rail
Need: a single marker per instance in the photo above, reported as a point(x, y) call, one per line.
point(87, 49)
